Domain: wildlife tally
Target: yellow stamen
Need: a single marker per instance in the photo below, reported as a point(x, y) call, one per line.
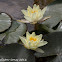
point(32, 38)
point(34, 11)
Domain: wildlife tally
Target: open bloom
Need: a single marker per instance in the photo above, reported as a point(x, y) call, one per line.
point(33, 41)
point(33, 15)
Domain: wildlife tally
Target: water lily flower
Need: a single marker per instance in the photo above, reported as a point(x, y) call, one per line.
point(33, 15)
point(33, 41)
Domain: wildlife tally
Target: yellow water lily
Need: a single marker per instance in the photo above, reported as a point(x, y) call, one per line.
point(33, 15)
point(33, 41)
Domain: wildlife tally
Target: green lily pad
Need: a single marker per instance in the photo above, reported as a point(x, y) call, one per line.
point(59, 27)
point(17, 51)
point(12, 28)
point(42, 27)
point(55, 11)
point(5, 22)
point(12, 36)
point(2, 36)
point(53, 50)
point(54, 46)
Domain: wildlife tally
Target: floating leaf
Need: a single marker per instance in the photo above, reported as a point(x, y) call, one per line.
point(17, 51)
point(2, 36)
point(13, 34)
point(59, 27)
point(53, 10)
point(5, 22)
point(13, 27)
point(42, 27)
point(54, 46)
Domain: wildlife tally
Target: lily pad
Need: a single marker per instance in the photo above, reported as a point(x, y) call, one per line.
point(5, 22)
point(2, 36)
point(17, 29)
point(55, 11)
point(59, 27)
point(44, 28)
point(54, 46)
point(17, 51)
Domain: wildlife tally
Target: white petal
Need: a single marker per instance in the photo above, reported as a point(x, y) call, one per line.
point(28, 18)
point(39, 37)
point(32, 46)
point(42, 43)
point(43, 10)
point(33, 34)
point(23, 39)
point(27, 35)
point(45, 18)
point(34, 17)
point(23, 21)
point(40, 17)
point(24, 12)
point(29, 8)
point(38, 7)
point(34, 6)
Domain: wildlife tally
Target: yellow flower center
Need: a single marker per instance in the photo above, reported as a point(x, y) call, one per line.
point(32, 38)
point(34, 11)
